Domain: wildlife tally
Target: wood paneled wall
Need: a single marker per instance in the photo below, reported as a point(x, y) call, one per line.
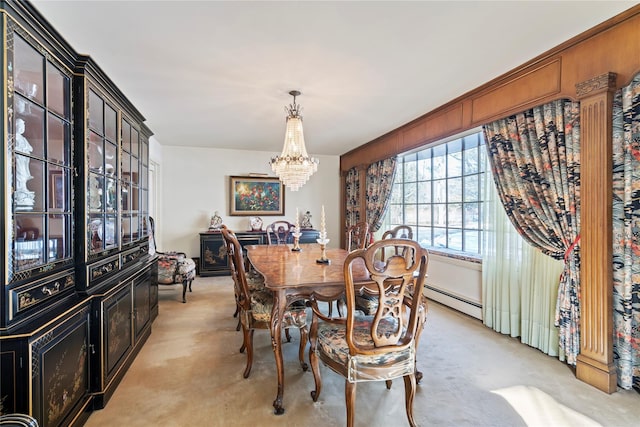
point(588, 68)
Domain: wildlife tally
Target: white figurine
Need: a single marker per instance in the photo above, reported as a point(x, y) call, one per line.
point(24, 198)
point(306, 221)
point(216, 222)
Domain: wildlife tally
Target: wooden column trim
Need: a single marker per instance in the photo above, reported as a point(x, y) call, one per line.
point(595, 364)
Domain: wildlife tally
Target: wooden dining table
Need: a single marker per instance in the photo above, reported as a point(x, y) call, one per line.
point(294, 276)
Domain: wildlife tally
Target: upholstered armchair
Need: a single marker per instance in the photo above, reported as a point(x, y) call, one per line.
point(173, 267)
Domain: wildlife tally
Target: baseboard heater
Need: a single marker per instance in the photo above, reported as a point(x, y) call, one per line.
point(457, 302)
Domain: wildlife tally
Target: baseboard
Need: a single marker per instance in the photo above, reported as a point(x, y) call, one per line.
point(457, 302)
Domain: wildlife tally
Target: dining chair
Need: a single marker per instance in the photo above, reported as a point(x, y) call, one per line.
point(280, 232)
point(358, 236)
point(173, 267)
point(380, 346)
point(364, 302)
point(255, 305)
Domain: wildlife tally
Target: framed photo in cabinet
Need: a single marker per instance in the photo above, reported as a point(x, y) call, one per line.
point(256, 196)
point(56, 193)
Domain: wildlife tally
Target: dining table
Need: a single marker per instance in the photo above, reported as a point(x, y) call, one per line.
point(293, 276)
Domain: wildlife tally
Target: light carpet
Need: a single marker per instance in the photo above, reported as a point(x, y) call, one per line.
point(189, 373)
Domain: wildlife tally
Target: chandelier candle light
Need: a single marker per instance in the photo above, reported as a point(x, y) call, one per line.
point(296, 234)
point(322, 240)
point(294, 166)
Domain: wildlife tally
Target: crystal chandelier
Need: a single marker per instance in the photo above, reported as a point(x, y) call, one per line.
point(294, 166)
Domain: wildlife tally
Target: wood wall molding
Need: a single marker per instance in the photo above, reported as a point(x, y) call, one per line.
point(595, 363)
point(613, 45)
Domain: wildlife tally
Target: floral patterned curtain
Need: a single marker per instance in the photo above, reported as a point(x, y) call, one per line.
point(352, 194)
point(535, 161)
point(626, 234)
point(380, 177)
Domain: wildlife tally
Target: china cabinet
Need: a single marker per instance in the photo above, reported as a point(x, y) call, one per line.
point(79, 288)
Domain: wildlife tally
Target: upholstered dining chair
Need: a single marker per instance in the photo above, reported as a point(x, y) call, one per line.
point(173, 267)
point(280, 232)
point(358, 236)
point(255, 305)
point(380, 346)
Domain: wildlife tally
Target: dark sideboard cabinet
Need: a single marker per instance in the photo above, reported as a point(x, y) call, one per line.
point(79, 288)
point(213, 253)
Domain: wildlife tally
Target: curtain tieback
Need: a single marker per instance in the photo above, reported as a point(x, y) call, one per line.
point(570, 248)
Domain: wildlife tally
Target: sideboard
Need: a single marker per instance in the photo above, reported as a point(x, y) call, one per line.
point(213, 253)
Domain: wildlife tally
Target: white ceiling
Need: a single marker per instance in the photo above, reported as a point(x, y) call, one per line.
point(218, 73)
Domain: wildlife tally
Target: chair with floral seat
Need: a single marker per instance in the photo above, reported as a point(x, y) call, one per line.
point(255, 305)
point(173, 267)
point(380, 346)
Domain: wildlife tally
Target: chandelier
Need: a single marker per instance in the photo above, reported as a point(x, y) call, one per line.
point(294, 166)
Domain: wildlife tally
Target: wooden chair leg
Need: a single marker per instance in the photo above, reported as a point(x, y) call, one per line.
point(248, 344)
point(409, 393)
point(350, 399)
point(303, 345)
point(315, 368)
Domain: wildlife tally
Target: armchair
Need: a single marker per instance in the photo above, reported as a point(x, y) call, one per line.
point(173, 267)
point(381, 346)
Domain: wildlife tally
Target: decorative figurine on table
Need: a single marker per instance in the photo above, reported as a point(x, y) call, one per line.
point(296, 234)
point(322, 241)
point(256, 223)
point(306, 221)
point(216, 222)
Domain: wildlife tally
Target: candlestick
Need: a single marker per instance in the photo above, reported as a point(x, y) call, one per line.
point(297, 219)
point(322, 240)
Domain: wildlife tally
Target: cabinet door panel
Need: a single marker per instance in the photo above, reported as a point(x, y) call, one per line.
point(61, 372)
point(117, 329)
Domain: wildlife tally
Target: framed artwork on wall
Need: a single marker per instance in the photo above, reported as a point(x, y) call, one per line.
point(253, 196)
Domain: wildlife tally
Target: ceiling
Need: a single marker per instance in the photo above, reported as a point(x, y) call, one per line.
point(218, 73)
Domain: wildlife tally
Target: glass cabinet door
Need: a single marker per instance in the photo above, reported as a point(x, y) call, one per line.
point(39, 175)
point(102, 178)
point(131, 182)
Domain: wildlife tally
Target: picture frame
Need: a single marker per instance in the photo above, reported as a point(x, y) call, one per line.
point(57, 191)
point(253, 196)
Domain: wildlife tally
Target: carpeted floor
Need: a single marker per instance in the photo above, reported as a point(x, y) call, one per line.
point(189, 373)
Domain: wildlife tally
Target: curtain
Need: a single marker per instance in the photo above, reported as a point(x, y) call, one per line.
point(380, 176)
point(352, 194)
point(535, 161)
point(519, 282)
point(626, 234)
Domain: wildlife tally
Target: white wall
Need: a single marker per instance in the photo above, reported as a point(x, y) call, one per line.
point(195, 182)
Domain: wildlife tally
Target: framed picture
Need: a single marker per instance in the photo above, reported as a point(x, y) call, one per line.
point(57, 191)
point(254, 196)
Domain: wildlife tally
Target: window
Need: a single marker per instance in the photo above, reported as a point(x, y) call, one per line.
point(438, 192)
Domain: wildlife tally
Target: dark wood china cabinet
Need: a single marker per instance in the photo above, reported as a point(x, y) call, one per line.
point(79, 289)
